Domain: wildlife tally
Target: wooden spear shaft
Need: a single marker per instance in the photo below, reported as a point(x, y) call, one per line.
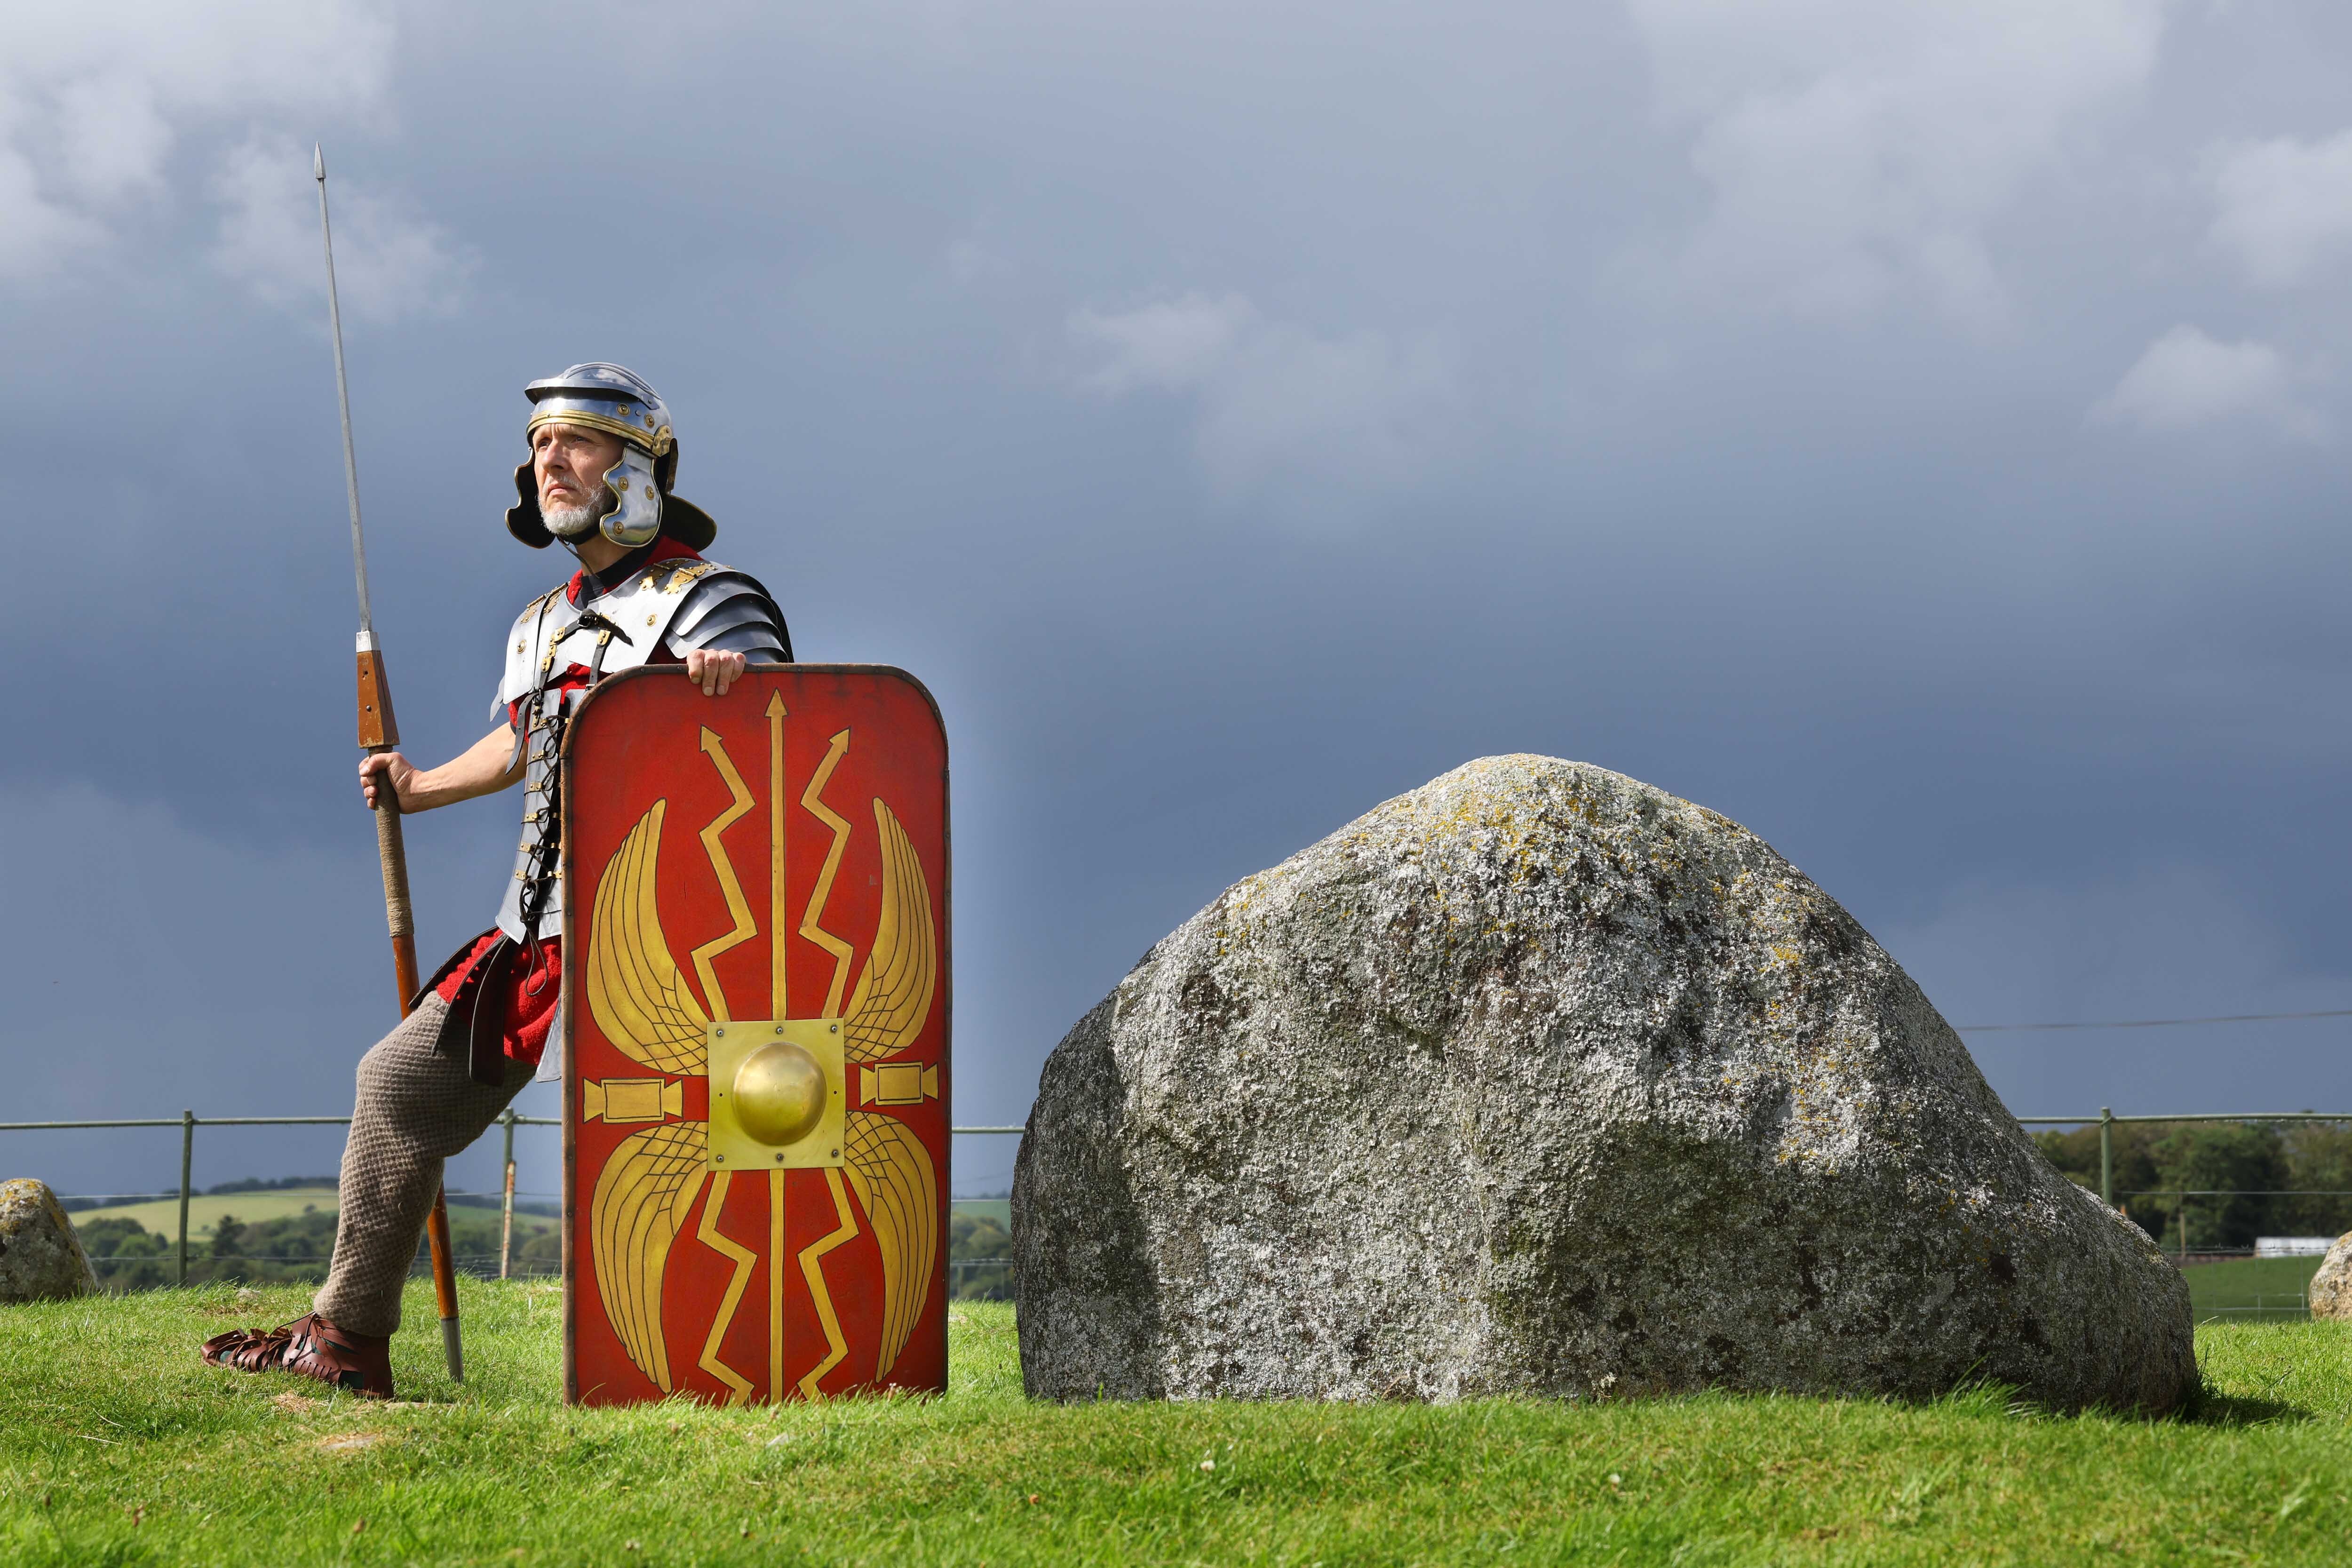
point(379, 732)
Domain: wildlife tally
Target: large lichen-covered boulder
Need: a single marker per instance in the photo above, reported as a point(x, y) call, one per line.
point(41, 1259)
point(1540, 1080)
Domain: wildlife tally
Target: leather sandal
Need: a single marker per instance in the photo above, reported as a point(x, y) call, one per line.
point(310, 1347)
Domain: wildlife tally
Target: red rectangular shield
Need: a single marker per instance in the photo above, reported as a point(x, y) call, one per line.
point(755, 1084)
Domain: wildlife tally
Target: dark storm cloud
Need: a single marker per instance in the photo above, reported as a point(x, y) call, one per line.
point(1915, 434)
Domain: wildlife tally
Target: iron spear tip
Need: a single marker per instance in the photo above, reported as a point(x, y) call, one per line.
point(318, 162)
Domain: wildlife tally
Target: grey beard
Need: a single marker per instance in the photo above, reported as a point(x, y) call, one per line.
point(570, 523)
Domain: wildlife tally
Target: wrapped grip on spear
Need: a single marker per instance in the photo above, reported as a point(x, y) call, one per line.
point(380, 731)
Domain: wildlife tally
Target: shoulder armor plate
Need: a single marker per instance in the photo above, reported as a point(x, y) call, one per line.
point(643, 610)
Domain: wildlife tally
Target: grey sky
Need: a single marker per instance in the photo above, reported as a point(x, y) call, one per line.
point(1917, 432)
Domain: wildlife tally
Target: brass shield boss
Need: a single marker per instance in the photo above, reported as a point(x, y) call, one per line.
point(776, 1094)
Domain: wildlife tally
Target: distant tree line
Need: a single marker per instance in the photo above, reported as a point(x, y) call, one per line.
point(274, 1184)
point(291, 1249)
point(295, 1248)
point(2280, 1179)
point(978, 1236)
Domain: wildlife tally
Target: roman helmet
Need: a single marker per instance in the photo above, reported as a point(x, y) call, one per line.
point(617, 402)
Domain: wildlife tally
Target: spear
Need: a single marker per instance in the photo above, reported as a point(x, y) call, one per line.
point(378, 732)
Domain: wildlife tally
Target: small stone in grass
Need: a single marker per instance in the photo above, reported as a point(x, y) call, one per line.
point(1208, 1463)
point(41, 1258)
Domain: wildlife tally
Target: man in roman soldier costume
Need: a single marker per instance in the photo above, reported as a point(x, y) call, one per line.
point(601, 460)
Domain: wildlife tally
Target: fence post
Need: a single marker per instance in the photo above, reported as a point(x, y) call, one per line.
point(187, 1154)
point(505, 1213)
point(2106, 1156)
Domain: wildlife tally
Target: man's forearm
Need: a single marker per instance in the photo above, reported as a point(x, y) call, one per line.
point(482, 769)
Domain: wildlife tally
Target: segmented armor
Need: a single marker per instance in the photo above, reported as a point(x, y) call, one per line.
point(671, 606)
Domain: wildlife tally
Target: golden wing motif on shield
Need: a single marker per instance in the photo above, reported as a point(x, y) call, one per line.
point(635, 993)
point(893, 997)
point(645, 1008)
point(897, 1184)
point(644, 1193)
point(899, 1190)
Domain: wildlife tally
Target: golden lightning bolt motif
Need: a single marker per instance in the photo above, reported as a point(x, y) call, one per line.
point(737, 907)
point(739, 1387)
point(812, 798)
point(812, 1269)
point(744, 928)
point(896, 1182)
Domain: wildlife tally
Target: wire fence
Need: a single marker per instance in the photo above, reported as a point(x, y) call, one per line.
point(187, 1121)
point(294, 1253)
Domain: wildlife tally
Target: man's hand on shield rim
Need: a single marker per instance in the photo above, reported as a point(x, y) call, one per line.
point(713, 669)
point(483, 768)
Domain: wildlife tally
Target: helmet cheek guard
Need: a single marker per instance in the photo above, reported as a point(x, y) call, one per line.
point(636, 516)
point(607, 398)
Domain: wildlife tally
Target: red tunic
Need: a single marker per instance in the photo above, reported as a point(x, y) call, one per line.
point(532, 986)
point(536, 978)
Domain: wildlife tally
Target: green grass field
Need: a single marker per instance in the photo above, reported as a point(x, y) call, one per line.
point(120, 1448)
point(2268, 1287)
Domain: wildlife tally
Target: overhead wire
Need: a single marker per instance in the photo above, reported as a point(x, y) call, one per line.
point(2153, 1022)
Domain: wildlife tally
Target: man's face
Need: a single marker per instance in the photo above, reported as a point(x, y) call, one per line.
point(568, 461)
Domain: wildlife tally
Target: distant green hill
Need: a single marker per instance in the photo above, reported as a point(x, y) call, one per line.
point(279, 1236)
point(205, 1209)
